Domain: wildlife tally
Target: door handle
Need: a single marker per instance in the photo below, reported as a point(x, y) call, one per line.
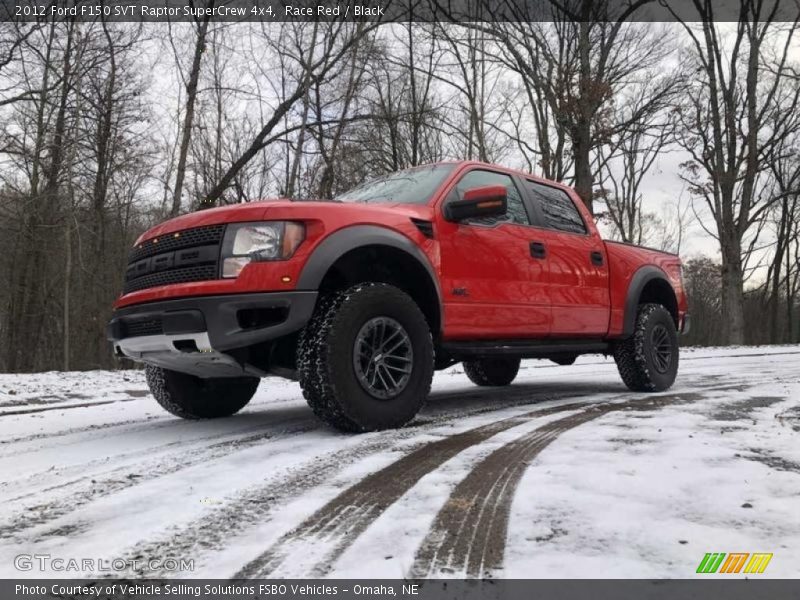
point(597, 258)
point(538, 250)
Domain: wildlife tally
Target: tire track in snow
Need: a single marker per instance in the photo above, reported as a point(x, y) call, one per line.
point(41, 409)
point(84, 490)
point(469, 533)
point(98, 427)
point(147, 422)
point(218, 529)
point(251, 508)
point(510, 397)
point(94, 485)
point(349, 514)
point(341, 521)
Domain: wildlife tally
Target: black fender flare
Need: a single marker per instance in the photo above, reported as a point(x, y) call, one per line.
point(641, 278)
point(336, 245)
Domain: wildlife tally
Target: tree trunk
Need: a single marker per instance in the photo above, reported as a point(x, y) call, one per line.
point(583, 168)
point(582, 136)
point(732, 295)
point(191, 98)
point(67, 279)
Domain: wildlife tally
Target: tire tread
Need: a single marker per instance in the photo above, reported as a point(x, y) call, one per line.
point(492, 372)
point(315, 351)
point(629, 354)
point(180, 395)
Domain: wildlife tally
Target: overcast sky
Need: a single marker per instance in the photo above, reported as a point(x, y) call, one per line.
point(663, 185)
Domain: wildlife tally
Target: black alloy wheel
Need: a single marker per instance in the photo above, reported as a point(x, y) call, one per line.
point(661, 348)
point(383, 357)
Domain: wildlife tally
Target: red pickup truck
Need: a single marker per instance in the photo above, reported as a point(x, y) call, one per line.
point(361, 298)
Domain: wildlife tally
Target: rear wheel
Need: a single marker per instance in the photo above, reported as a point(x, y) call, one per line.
point(648, 360)
point(564, 360)
point(492, 371)
point(365, 359)
point(191, 397)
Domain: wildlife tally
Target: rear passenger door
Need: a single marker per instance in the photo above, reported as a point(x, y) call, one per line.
point(577, 274)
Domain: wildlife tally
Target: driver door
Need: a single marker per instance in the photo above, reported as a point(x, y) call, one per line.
point(492, 286)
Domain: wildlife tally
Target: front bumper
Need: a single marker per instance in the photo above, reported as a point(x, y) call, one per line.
point(197, 335)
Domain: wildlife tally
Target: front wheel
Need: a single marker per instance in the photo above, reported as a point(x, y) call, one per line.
point(648, 360)
point(365, 360)
point(492, 371)
point(191, 397)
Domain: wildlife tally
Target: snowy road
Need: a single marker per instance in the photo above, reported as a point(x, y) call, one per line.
point(563, 474)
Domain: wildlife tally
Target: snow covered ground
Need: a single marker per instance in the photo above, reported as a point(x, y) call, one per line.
point(563, 474)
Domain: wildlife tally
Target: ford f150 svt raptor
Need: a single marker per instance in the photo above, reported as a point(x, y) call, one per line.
point(363, 297)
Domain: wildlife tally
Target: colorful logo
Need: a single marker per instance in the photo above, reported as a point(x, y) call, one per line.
point(716, 562)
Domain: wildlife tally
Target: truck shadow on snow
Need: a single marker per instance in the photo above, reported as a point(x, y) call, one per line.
point(458, 402)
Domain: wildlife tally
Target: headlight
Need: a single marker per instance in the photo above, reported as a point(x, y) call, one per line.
point(252, 242)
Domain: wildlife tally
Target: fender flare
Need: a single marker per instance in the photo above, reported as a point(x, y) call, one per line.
point(336, 245)
point(641, 278)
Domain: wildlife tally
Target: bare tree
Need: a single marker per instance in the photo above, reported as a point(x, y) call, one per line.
point(335, 45)
point(738, 108)
point(785, 217)
point(190, 80)
point(14, 39)
point(577, 63)
point(402, 97)
point(627, 158)
point(42, 154)
point(471, 71)
point(703, 287)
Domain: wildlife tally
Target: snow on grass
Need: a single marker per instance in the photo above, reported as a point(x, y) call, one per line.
point(102, 470)
point(651, 495)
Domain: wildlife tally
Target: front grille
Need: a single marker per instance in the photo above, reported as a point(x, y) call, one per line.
point(186, 275)
point(202, 236)
point(182, 257)
point(141, 328)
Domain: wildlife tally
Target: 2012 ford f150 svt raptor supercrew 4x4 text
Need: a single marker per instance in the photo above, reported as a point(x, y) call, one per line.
point(363, 297)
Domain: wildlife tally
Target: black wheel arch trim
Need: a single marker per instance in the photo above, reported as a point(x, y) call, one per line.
point(339, 243)
point(640, 279)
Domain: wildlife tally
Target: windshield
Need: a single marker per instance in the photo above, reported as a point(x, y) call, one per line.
point(412, 186)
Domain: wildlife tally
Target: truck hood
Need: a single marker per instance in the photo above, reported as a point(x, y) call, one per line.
point(284, 209)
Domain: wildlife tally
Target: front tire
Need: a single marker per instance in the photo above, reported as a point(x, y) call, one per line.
point(365, 359)
point(648, 360)
point(191, 397)
point(492, 371)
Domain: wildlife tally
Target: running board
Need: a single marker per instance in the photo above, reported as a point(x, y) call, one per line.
point(524, 348)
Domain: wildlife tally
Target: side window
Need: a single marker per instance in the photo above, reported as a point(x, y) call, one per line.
point(516, 209)
point(559, 210)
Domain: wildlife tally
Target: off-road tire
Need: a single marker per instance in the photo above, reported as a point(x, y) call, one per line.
point(634, 356)
point(191, 397)
point(325, 359)
point(492, 371)
point(564, 360)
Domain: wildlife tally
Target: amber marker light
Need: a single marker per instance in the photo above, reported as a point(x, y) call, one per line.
point(293, 235)
point(490, 204)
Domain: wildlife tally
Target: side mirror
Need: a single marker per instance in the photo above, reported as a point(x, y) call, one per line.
point(478, 203)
